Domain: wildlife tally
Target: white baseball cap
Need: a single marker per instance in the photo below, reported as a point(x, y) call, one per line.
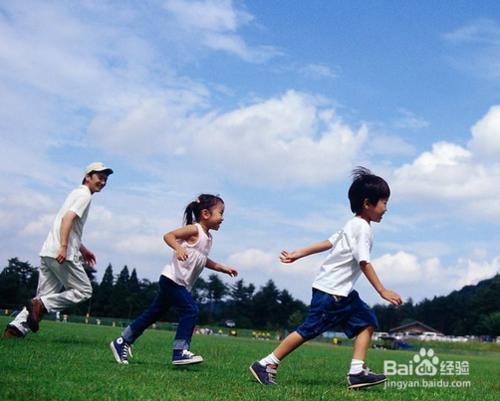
point(97, 167)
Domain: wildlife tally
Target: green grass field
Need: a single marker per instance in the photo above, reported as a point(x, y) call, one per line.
point(73, 362)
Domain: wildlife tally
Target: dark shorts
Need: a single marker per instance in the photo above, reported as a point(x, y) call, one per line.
point(350, 313)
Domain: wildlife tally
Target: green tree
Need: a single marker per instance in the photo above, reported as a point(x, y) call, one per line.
point(102, 298)
point(134, 295)
point(265, 306)
point(120, 294)
point(240, 303)
point(216, 290)
point(18, 282)
point(199, 290)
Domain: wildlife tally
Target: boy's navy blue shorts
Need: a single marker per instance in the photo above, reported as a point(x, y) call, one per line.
point(350, 312)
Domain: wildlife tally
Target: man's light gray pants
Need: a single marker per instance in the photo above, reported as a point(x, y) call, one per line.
point(54, 277)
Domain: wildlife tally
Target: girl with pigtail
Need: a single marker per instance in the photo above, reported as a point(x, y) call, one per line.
point(191, 244)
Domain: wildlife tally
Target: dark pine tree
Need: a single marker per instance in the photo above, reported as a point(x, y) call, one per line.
point(18, 282)
point(102, 297)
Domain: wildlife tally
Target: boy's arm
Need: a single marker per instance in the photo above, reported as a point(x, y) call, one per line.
point(289, 257)
point(66, 223)
point(372, 277)
point(221, 268)
point(183, 233)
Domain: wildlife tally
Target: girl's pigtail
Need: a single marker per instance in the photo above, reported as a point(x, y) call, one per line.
point(189, 214)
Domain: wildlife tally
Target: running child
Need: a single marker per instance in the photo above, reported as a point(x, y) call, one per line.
point(191, 244)
point(334, 301)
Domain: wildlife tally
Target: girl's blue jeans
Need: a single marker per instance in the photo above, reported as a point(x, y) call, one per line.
point(170, 294)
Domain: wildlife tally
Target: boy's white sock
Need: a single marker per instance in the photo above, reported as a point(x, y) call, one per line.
point(356, 366)
point(270, 360)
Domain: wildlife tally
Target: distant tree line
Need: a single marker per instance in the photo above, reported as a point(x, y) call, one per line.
point(471, 310)
point(475, 309)
point(125, 296)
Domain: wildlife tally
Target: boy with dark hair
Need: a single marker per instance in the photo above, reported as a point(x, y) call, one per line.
point(334, 301)
point(63, 281)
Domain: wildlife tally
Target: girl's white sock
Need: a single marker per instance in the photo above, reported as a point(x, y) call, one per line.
point(270, 360)
point(356, 366)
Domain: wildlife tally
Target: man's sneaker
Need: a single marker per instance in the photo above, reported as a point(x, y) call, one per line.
point(12, 331)
point(264, 374)
point(365, 378)
point(185, 357)
point(121, 350)
point(35, 312)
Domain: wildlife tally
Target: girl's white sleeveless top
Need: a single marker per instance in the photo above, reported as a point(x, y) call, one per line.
point(186, 272)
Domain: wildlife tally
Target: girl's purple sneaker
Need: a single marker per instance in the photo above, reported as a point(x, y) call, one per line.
point(185, 357)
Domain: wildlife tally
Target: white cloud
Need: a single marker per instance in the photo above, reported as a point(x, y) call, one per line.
point(215, 23)
point(257, 266)
point(484, 31)
point(250, 258)
point(486, 135)
point(288, 140)
point(479, 42)
point(281, 141)
point(450, 172)
point(448, 167)
point(404, 268)
point(318, 71)
point(409, 120)
point(211, 15)
point(140, 244)
point(390, 145)
point(475, 271)
point(418, 278)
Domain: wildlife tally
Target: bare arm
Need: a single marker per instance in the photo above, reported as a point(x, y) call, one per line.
point(65, 229)
point(221, 268)
point(372, 277)
point(290, 257)
point(184, 233)
point(88, 256)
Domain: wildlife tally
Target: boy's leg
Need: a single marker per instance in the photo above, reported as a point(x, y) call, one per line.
point(363, 321)
point(265, 369)
point(361, 343)
point(289, 344)
point(359, 375)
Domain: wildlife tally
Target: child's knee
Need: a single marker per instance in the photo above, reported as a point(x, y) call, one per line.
point(192, 310)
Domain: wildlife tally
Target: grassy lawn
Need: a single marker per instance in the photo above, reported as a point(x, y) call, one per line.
point(73, 362)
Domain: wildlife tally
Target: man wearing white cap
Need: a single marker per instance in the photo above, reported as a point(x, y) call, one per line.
point(61, 266)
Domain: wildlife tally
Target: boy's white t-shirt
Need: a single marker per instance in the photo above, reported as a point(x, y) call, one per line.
point(78, 201)
point(186, 272)
point(341, 269)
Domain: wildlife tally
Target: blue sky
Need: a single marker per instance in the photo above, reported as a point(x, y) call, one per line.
point(270, 105)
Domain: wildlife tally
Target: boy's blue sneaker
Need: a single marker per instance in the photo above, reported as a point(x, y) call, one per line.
point(185, 357)
point(264, 374)
point(121, 350)
point(365, 378)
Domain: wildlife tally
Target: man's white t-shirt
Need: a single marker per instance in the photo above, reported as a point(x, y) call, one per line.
point(78, 201)
point(341, 269)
